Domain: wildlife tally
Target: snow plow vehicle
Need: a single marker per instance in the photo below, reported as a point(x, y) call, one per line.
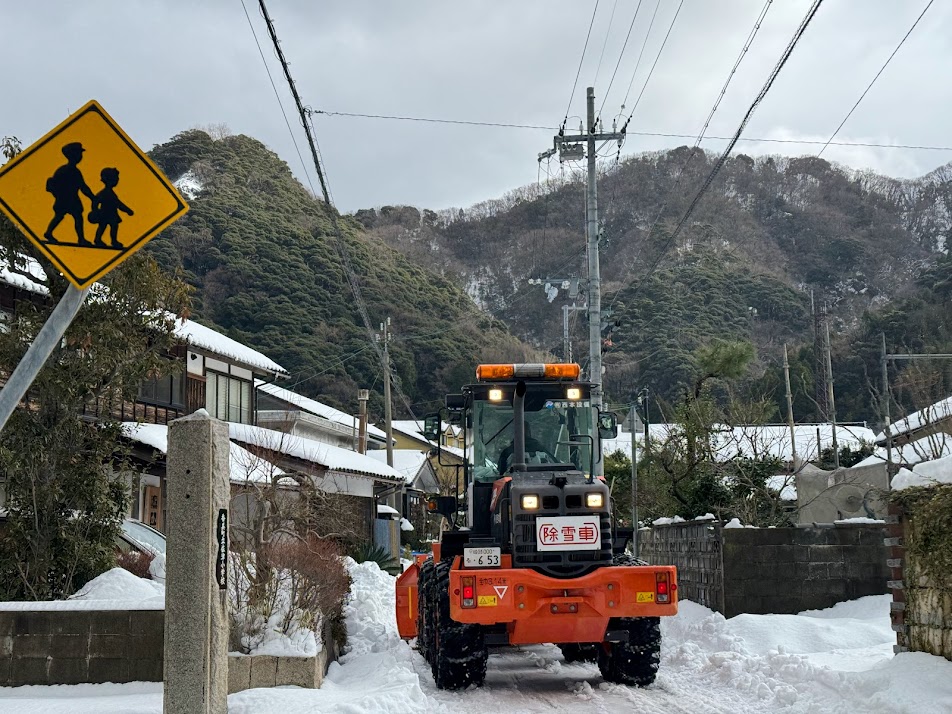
point(540, 558)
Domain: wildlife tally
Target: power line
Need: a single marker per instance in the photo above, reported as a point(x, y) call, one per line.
point(620, 55)
point(608, 33)
point(870, 86)
point(733, 141)
point(332, 213)
point(648, 134)
point(644, 45)
point(737, 63)
point(277, 96)
point(655, 64)
point(581, 60)
point(740, 129)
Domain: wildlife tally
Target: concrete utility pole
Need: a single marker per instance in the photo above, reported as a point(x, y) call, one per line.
point(362, 396)
point(793, 435)
point(829, 391)
point(568, 147)
point(636, 426)
point(387, 406)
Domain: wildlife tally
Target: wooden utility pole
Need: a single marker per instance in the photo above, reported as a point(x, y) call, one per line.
point(387, 406)
point(793, 435)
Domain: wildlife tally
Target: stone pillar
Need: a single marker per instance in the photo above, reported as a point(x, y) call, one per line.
point(196, 612)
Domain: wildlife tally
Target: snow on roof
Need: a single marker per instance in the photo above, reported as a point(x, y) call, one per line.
point(407, 461)
point(388, 510)
point(188, 330)
point(934, 447)
point(408, 427)
point(927, 473)
point(759, 441)
point(207, 338)
point(924, 417)
point(315, 407)
point(332, 457)
point(244, 465)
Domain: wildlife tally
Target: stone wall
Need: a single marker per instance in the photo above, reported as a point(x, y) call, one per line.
point(921, 609)
point(75, 646)
point(96, 646)
point(770, 570)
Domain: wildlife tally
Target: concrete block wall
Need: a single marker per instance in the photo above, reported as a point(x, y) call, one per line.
point(788, 570)
point(96, 646)
point(76, 646)
point(921, 610)
point(770, 570)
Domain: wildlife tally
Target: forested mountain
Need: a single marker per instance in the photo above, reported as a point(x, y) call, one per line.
point(770, 235)
point(267, 271)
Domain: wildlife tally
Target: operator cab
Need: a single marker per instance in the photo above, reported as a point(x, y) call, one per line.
point(558, 417)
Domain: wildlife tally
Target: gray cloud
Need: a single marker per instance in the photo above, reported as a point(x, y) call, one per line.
point(163, 67)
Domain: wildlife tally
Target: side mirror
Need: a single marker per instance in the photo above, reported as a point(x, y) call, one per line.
point(607, 425)
point(444, 505)
point(431, 427)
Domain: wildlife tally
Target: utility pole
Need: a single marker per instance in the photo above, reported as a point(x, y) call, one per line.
point(793, 435)
point(829, 389)
point(387, 406)
point(572, 285)
point(636, 426)
point(362, 396)
point(569, 147)
point(886, 418)
point(566, 342)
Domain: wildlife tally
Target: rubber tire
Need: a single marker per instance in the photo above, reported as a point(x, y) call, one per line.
point(634, 662)
point(423, 585)
point(459, 654)
point(579, 652)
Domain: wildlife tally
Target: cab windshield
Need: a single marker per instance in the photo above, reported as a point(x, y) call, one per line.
point(550, 424)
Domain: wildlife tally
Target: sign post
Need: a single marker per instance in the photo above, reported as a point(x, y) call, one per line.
point(68, 193)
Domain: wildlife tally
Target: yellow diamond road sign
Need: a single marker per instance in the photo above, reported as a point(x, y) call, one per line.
point(87, 196)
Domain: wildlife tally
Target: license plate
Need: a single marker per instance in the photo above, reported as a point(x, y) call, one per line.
point(568, 533)
point(481, 557)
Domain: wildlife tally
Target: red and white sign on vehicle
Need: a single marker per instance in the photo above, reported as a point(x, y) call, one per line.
point(568, 533)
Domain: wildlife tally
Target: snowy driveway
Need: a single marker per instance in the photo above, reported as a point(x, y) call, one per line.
point(836, 660)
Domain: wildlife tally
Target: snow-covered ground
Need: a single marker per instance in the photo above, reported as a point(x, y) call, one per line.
point(835, 660)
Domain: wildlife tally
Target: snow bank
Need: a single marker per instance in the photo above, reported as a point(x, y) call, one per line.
point(376, 672)
point(116, 589)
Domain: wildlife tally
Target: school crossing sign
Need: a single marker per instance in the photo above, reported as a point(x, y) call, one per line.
point(87, 196)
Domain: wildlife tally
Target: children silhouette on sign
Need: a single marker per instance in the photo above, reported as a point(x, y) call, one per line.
point(106, 207)
point(65, 184)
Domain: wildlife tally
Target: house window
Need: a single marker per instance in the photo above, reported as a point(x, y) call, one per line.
point(163, 390)
point(228, 398)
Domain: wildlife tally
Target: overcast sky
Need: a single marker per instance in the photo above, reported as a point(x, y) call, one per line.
point(160, 67)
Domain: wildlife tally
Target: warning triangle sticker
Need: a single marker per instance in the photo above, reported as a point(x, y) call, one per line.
point(501, 590)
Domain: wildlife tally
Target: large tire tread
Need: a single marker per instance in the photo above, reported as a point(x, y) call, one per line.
point(459, 654)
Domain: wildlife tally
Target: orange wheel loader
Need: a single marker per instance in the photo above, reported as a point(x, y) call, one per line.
point(539, 558)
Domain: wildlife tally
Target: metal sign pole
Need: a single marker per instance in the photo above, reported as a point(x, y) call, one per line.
point(43, 345)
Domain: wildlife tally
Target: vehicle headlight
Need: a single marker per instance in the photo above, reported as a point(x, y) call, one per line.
point(529, 502)
point(594, 500)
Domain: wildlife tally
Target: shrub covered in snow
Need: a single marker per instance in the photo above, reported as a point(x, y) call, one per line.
point(282, 593)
